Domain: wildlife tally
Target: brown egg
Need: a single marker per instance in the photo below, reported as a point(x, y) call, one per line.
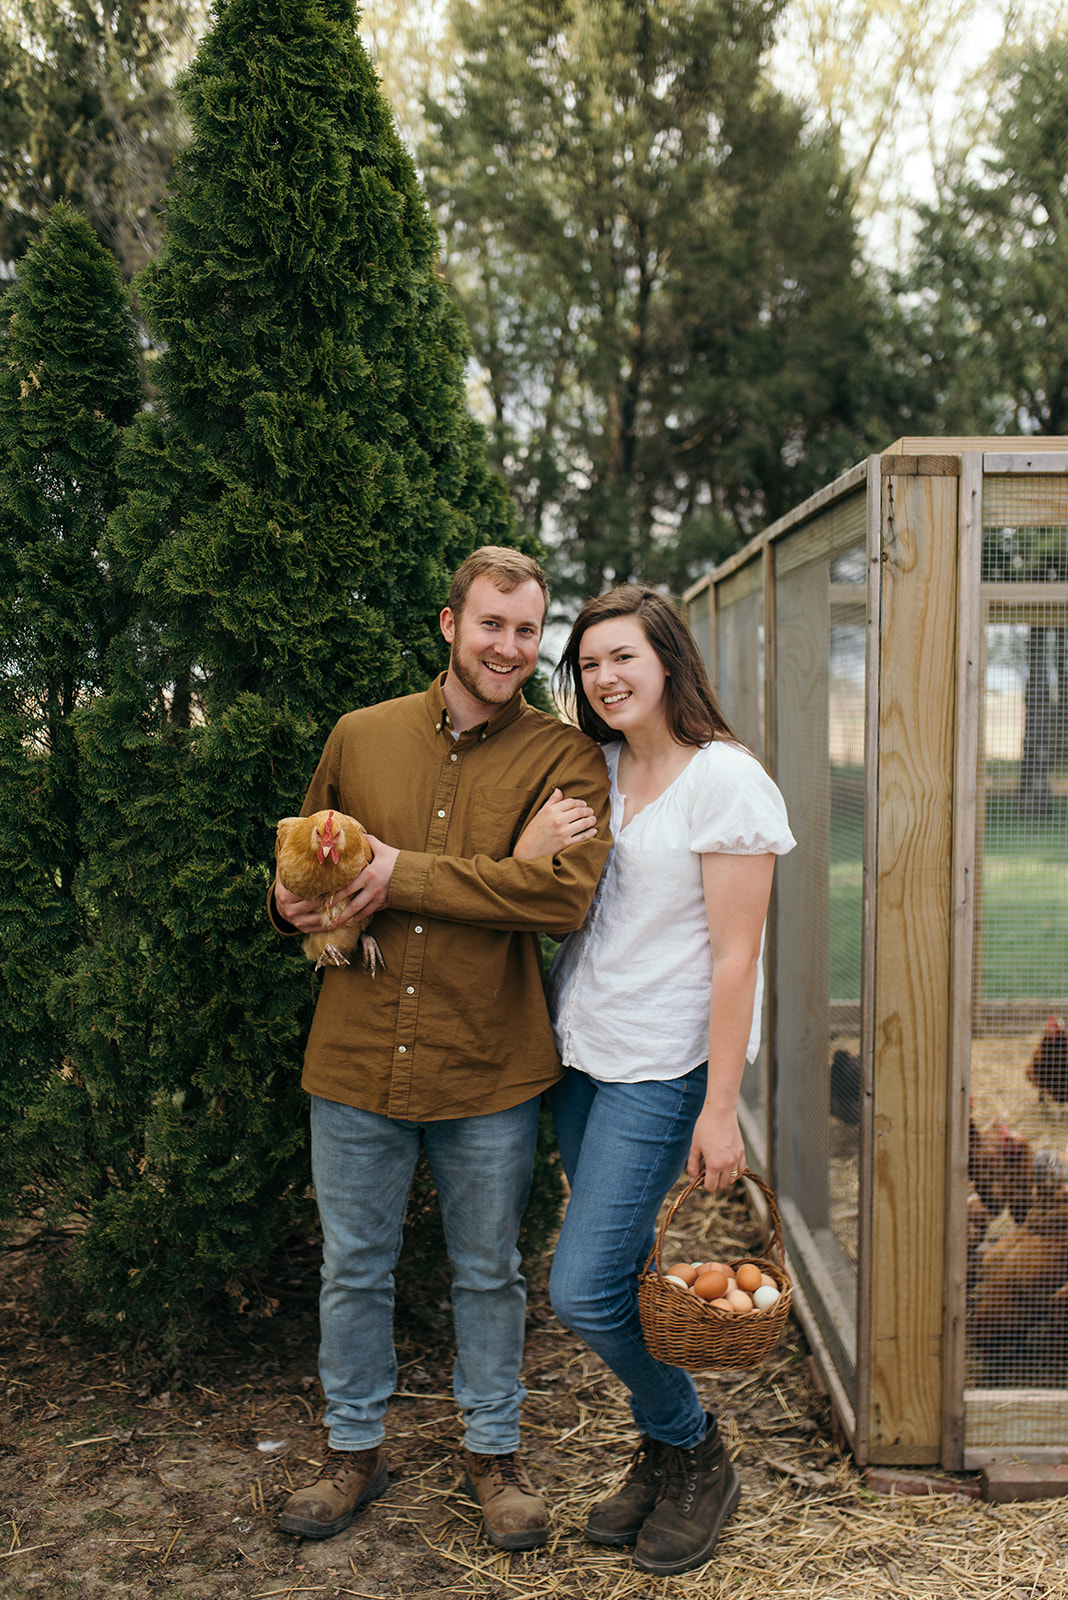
point(738, 1301)
point(723, 1305)
point(684, 1271)
point(748, 1277)
point(767, 1281)
point(710, 1285)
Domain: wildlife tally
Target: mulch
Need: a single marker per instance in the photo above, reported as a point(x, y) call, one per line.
point(123, 1477)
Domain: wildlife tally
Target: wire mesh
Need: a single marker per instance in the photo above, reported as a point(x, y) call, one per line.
point(1017, 1324)
point(820, 611)
point(740, 682)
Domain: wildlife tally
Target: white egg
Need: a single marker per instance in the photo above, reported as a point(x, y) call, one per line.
point(765, 1297)
point(669, 1277)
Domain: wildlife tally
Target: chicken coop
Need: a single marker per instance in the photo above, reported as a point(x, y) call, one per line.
point(896, 651)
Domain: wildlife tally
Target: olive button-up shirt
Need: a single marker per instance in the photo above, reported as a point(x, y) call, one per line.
point(456, 1023)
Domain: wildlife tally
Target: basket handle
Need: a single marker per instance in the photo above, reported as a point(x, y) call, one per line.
point(774, 1240)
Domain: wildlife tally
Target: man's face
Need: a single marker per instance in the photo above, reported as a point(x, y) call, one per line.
point(494, 640)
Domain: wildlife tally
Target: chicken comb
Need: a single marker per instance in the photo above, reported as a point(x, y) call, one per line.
point(327, 847)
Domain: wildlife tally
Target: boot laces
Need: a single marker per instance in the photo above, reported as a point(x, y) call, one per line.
point(647, 1460)
point(505, 1471)
point(682, 1473)
point(339, 1463)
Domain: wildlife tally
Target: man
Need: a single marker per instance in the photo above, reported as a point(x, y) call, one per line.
point(450, 1043)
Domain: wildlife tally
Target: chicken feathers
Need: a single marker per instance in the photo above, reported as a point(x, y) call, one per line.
point(1048, 1067)
point(315, 857)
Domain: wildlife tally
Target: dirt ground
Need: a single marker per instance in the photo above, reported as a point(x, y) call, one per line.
point(121, 1479)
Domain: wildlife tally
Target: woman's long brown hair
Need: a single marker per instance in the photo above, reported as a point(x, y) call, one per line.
point(694, 715)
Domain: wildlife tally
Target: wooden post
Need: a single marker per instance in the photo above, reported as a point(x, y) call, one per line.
point(912, 964)
point(969, 698)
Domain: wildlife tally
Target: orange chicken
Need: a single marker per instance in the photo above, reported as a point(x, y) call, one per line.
point(318, 855)
point(1000, 1166)
point(1024, 1273)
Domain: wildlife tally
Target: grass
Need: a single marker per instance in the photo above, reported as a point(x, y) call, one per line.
point(1024, 936)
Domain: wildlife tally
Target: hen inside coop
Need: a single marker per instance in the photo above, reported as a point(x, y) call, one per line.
point(896, 649)
point(1017, 1220)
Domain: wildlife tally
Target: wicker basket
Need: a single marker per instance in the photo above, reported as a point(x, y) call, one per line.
point(685, 1331)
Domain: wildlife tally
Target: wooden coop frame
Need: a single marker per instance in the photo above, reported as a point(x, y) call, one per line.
point(894, 1361)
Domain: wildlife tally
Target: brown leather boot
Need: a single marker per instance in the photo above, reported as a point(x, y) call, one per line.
point(513, 1513)
point(349, 1480)
point(701, 1491)
point(618, 1520)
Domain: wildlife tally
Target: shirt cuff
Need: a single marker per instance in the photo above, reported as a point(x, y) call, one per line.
point(407, 885)
point(278, 922)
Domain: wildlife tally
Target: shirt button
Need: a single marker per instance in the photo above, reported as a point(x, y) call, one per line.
point(418, 927)
point(453, 756)
point(402, 1049)
point(410, 989)
point(441, 813)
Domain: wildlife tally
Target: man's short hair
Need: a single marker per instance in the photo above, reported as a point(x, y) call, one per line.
point(506, 568)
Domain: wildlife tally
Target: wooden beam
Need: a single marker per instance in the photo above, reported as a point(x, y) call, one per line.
point(966, 765)
point(912, 973)
point(866, 1027)
point(921, 466)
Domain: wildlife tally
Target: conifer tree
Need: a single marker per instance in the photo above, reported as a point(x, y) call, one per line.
point(293, 510)
point(87, 116)
point(69, 387)
point(660, 269)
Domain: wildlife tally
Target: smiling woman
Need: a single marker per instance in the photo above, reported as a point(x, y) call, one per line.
point(656, 1009)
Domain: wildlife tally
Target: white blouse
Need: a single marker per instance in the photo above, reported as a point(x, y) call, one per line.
point(629, 992)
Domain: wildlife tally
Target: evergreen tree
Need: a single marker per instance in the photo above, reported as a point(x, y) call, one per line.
point(991, 264)
point(991, 330)
point(659, 267)
point(294, 508)
point(87, 116)
point(69, 387)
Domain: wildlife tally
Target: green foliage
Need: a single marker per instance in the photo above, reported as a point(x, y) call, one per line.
point(659, 266)
point(86, 116)
point(288, 517)
point(991, 325)
point(69, 387)
point(991, 275)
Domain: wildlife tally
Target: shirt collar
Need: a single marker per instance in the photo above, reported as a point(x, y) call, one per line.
point(439, 716)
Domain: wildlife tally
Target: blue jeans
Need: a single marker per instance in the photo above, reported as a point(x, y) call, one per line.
point(362, 1167)
point(623, 1146)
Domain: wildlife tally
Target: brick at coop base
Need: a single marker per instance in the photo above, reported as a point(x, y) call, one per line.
point(892, 1480)
point(1023, 1480)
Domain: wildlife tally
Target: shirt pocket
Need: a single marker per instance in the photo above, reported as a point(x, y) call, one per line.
point(495, 820)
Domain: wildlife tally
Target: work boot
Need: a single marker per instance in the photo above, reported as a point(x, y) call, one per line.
point(701, 1491)
point(618, 1520)
point(513, 1514)
point(350, 1479)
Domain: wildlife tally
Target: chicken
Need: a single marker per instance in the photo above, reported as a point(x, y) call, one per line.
point(1001, 1168)
point(318, 855)
point(1024, 1274)
point(1048, 1068)
point(845, 1088)
point(978, 1222)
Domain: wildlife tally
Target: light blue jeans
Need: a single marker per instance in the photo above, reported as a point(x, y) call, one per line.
point(623, 1146)
point(362, 1167)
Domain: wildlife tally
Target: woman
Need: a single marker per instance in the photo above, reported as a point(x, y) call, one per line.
point(656, 1008)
